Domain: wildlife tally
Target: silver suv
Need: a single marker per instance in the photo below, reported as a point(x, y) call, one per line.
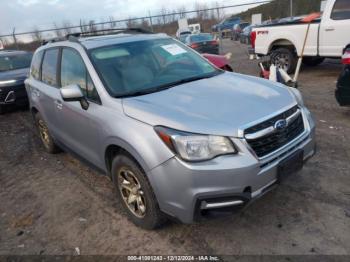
point(177, 136)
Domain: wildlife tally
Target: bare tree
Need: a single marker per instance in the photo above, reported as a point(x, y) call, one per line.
point(92, 26)
point(202, 14)
point(58, 31)
point(112, 22)
point(102, 23)
point(219, 15)
point(164, 14)
point(144, 23)
point(84, 27)
point(67, 27)
point(37, 35)
point(172, 16)
point(131, 23)
point(182, 11)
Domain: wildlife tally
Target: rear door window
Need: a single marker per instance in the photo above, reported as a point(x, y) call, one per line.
point(341, 10)
point(49, 67)
point(36, 65)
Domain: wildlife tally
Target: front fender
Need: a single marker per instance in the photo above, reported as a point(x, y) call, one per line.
point(141, 141)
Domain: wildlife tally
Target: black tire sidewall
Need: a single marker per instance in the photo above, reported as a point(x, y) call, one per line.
point(292, 58)
point(313, 61)
point(153, 217)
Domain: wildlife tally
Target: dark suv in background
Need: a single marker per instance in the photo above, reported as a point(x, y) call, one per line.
point(342, 92)
point(14, 68)
point(237, 30)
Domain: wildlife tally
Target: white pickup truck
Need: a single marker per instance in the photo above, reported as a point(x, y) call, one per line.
point(328, 37)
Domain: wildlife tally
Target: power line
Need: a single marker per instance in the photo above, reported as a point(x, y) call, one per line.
point(134, 19)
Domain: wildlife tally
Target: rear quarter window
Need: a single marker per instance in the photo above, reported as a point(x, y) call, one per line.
point(36, 65)
point(341, 10)
point(49, 67)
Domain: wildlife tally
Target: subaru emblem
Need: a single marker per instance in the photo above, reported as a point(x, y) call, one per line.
point(281, 124)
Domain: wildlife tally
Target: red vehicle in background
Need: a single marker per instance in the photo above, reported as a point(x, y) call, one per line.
point(220, 61)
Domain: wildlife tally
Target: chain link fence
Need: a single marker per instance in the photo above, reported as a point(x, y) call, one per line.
point(164, 21)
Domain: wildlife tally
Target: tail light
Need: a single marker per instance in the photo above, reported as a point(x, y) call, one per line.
point(346, 58)
point(194, 45)
point(253, 38)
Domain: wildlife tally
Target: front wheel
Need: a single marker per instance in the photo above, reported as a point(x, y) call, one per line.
point(136, 193)
point(284, 58)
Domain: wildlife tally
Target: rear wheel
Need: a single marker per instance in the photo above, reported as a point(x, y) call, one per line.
point(136, 193)
point(313, 61)
point(45, 135)
point(284, 58)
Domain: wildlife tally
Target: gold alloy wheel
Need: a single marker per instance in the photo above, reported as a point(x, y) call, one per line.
point(131, 191)
point(44, 133)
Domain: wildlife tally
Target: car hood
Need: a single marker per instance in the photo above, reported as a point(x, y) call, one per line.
point(19, 74)
point(221, 105)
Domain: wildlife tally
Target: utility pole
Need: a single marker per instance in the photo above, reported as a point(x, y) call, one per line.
point(291, 8)
point(14, 38)
point(150, 20)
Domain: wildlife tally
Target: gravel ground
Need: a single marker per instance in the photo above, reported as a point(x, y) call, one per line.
point(53, 204)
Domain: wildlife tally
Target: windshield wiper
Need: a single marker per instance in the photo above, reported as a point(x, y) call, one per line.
point(169, 85)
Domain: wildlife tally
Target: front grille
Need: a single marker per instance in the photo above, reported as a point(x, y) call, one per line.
point(271, 142)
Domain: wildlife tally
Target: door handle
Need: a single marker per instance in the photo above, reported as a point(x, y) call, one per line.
point(35, 92)
point(58, 104)
point(330, 28)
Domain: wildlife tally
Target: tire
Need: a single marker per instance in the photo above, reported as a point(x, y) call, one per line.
point(284, 58)
point(45, 135)
point(227, 68)
point(144, 210)
point(313, 61)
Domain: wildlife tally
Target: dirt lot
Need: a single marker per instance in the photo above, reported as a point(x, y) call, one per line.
point(52, 204)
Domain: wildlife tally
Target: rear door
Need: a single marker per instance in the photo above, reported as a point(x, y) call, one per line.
point(335, 28)
point(46, 90)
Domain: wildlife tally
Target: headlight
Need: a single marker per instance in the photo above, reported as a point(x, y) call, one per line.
point(6, 82)
point(296, 93)
point(193, 147)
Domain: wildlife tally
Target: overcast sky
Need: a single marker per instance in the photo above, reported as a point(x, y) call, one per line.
point(26, 14)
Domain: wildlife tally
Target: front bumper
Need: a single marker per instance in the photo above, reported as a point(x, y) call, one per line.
point(13, 95)
point(184, 189)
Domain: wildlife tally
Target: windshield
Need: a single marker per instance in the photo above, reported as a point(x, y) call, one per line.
point(183, 38)
point(13, 62)
point(141, 67)
point(201, 38)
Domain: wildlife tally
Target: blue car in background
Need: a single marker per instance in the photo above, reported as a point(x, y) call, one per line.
point(226, 24)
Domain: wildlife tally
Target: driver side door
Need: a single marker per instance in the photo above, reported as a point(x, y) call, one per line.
point(80, 129)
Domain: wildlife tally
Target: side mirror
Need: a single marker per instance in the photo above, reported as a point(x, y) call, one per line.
point(73, 93)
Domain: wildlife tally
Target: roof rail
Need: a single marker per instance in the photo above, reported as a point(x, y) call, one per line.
point(74, 37)
point(111, 31)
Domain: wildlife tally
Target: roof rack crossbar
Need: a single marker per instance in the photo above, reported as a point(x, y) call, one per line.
point(110, 31)
point(74, 37)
